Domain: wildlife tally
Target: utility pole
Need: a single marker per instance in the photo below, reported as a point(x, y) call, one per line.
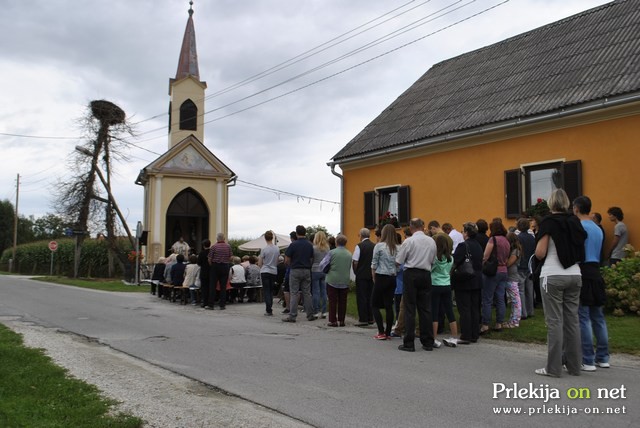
point(15, 225)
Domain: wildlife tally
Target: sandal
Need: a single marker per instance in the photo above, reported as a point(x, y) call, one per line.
point(484, 329)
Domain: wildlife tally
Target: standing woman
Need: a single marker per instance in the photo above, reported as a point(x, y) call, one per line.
point(493, 287)
point(513, 278)
point(561, 244)
point(338, 282)
point(468, 290)
point(318, 285)
point(383, 271)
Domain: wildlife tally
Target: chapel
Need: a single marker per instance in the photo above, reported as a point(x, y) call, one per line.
point(186, 189)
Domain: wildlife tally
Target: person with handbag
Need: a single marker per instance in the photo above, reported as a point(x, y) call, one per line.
point(494, 271)
point(467, 286)
point(560, 242)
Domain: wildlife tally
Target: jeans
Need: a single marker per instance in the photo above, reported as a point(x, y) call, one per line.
point(319, 291)
point(493, 286)
point(268, 281)
point(592, 323)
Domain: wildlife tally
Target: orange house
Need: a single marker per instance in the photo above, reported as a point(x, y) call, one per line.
point(487, 133)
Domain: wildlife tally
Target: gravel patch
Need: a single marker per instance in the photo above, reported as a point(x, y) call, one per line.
point(160, 397)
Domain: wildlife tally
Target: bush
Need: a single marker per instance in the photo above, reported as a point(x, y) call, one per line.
point(35, 258)
point(623, 284)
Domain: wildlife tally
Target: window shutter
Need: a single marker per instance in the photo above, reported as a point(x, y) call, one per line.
point(513, 193)
point(404, 205)
point(572, 178)
point(370, 209)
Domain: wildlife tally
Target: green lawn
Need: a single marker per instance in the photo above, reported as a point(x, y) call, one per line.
point(37, 393)
point(623, 331)
point(96, 284)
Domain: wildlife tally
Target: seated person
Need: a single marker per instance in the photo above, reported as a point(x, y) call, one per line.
point(237, 280)
point(252, 273)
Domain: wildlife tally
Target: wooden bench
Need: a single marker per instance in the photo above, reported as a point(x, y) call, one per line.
point(260, 298)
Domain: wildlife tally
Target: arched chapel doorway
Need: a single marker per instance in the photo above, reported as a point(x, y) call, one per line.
point(187, 216)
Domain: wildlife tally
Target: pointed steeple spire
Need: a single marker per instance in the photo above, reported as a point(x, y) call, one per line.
point(188, 60)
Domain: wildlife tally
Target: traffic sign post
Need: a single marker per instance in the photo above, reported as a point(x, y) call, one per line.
point(53, 246)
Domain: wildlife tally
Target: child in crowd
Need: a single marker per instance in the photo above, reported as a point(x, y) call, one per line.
point(441, 290)
point(513, 279)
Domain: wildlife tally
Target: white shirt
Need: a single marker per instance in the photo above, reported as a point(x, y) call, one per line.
point(457, 238)
point(356, 252)
point(417, 252)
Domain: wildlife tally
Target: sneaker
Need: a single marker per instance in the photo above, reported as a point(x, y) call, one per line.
point(436, 343)
point(323, 315)
point(394, 334)
point(604, 365)
point(588, 368)
point(286, 311)
point(380, 336)
point(268, 314)
point(288, 319)
point(312, 318)
point(451, 342)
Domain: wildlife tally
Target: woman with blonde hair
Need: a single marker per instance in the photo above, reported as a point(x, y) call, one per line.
point(560, 243)
point(318, 284)
point(383, 270)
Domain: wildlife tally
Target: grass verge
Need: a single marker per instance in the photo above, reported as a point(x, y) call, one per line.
point(37, 393)
point(96, 284)
point(623, 336)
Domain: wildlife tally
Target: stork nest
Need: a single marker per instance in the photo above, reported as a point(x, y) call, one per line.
point(107, 112)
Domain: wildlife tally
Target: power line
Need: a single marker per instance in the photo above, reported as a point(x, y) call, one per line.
point(279, 192)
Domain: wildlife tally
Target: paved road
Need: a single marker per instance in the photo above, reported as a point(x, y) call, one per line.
point(330, 377)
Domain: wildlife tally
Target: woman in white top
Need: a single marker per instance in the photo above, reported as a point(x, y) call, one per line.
point(561, 245)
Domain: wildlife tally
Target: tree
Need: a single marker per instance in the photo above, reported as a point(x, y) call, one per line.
point(312, 230)
point(79, 199)
point(49, 227)
point(6, 224)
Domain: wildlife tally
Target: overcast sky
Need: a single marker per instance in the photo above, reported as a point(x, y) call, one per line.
point(58, 55)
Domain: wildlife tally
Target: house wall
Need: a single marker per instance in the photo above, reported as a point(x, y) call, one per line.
point(463, 181)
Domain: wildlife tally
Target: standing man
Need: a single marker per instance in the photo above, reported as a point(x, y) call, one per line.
point(620, 235)
point(417, 254)
point(219, 257)
point(268, 262)
point(592, 292)
point(525, 284)
point(455, 236)
point(299, 257)
point(361, 261)
point(206, 296)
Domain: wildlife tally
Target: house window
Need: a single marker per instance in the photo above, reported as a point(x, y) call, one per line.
point(393, 199)
point(524, 185)
point(188, 116)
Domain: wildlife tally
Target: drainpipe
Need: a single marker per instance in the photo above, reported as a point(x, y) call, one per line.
point(232, 181)
point(333, 171)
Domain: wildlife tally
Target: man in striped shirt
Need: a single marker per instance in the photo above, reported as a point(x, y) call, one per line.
point(219, 257)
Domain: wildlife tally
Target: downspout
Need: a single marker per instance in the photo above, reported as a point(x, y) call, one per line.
point(232, 181)
point(333, 171)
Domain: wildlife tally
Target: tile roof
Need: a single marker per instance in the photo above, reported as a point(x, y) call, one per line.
point(587, 57)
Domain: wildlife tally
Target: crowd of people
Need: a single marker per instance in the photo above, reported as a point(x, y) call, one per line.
point(551, 261)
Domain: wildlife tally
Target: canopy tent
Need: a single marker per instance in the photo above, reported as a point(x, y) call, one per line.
point(282, 241)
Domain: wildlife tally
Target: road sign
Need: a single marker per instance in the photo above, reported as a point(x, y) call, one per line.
point(53, 246)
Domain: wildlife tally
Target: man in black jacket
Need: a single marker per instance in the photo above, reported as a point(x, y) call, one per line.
point(362, 256)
